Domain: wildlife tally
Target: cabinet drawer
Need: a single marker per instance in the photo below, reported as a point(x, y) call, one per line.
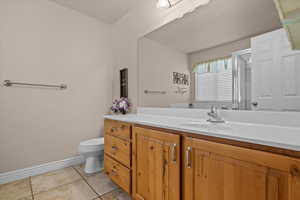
point(118, 149)
point(118, 173)
point(118, 129)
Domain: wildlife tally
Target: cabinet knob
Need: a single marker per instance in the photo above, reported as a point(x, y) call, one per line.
point(295, 171)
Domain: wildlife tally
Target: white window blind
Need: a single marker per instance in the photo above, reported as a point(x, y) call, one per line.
point(224, 86)
point(213, 80)
point(206, 84)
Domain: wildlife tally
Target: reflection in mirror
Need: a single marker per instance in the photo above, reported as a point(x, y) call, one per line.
point(164, 75)
point(232, 54)
point(213, 81)
point(241, 71)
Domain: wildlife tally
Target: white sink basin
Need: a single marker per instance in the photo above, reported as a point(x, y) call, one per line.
point(208, 125)
point(197, 124)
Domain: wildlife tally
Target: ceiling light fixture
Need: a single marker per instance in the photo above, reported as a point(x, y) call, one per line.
point(167, 3)
point(171, 3)
point(163, 4)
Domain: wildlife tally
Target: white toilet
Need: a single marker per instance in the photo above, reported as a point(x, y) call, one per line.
point(92, 150)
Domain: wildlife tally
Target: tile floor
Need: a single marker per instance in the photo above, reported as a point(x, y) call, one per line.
point(65, 184)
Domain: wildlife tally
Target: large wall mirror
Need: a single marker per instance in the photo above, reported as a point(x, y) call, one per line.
point(232, 54)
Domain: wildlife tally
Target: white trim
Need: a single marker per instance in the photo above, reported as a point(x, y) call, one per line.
point(39, 169)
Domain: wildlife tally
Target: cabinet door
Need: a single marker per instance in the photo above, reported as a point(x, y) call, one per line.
point(156, 165)
point(216, 176)
point(193, 173)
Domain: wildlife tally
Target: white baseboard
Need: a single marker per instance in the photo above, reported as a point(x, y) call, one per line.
point(39, 169)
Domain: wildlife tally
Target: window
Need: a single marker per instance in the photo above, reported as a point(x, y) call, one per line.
point(213, 80)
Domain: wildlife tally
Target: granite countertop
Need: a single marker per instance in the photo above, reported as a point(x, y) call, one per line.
point(270, 135)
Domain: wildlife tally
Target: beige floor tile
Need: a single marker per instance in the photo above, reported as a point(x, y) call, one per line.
point(78, 190)
point(116, 195)
point(45, 182)
point(25, 198)
point(80, 169)
point(101, 183)
point(18, 190)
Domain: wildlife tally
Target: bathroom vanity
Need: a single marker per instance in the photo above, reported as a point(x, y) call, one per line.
point(163, 157)
point(173, 154)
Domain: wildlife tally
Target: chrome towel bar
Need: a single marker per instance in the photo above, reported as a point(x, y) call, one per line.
point(9, 83)
point(154, 92)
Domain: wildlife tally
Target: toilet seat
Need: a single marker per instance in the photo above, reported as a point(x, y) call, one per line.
point(91, 145)
point(96, 141)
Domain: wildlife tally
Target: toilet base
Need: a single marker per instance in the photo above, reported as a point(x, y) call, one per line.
point(93, 165)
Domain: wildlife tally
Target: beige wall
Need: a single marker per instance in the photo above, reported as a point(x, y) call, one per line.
point(42, 42)
point(156, 66)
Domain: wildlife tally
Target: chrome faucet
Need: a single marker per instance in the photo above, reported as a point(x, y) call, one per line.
point(214, 116)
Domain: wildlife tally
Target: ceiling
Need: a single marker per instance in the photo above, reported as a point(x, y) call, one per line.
point(108, 11)
point(219, 22)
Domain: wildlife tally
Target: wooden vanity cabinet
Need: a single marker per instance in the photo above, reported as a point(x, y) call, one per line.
point(118, 129)
point(214, 171)
point(117, 153)
point(118, 149)
point(118, 173)
point(156, 165)
point(152, 165)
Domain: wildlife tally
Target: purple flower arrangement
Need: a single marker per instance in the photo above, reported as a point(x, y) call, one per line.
point(120, 106)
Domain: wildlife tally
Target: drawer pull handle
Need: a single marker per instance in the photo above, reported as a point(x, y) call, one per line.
point(174, 153)
point(113, 129)
point(188, 157)
point(114, 172)
point(295, 171)
point(115, 148)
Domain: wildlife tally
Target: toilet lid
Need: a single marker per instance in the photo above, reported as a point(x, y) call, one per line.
point(96, 141)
